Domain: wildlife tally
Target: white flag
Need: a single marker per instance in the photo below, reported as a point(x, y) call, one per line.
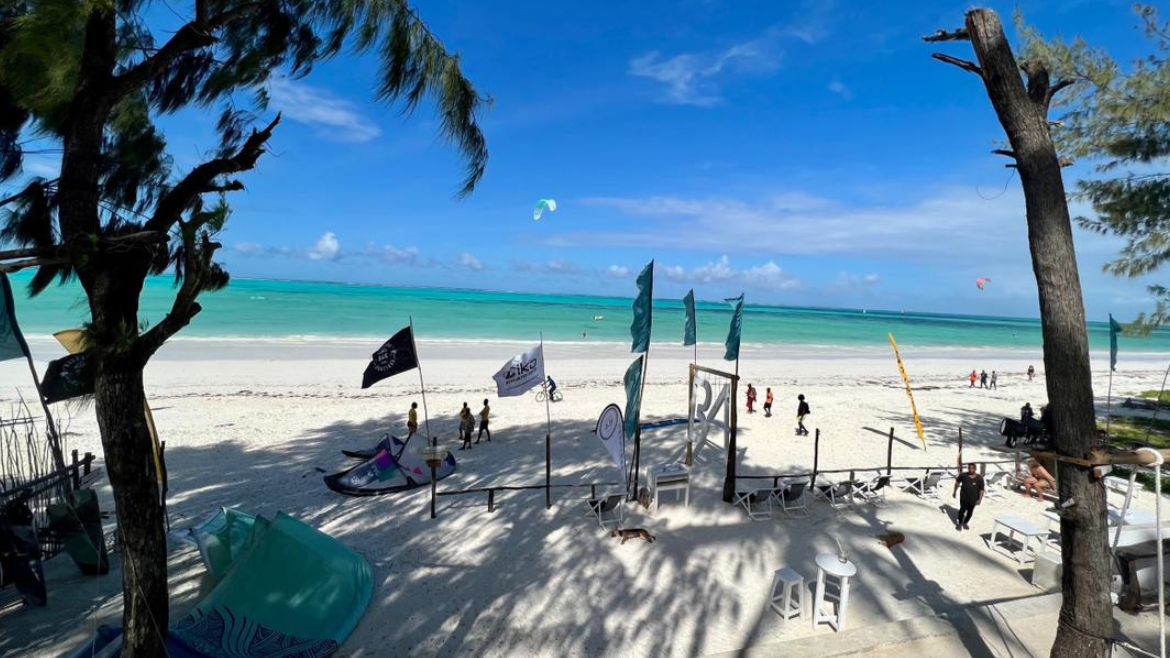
point(521, 373)
point(612, 431)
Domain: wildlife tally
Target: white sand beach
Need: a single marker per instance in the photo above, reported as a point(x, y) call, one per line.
point(254, 425)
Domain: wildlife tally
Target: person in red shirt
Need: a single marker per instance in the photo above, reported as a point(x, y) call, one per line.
point(768, 404)
point(751, 399)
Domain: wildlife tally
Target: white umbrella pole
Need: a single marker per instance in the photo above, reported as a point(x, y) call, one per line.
point(1158, 459)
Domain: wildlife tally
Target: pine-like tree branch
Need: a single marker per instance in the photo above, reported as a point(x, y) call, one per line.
point(196, 267)
point(202, 179)
point(942, 35)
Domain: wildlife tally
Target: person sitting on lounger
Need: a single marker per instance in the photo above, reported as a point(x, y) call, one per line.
point(1039, 479)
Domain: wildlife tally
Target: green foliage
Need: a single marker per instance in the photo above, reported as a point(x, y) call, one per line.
point(1120, 120)
point(1161, 396)
point(221, 61)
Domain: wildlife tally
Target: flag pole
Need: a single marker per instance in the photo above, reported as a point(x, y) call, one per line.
point(547, 440)
point(431, 440)
point(1109, 394)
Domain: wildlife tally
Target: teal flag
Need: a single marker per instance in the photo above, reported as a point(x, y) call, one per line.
point(12, 345)
point(689, 337)
point(633, 384)
point(734, 331)
point(643, 313)
point(1114, 329)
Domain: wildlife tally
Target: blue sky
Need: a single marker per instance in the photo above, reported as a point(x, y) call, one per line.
point(809, 153)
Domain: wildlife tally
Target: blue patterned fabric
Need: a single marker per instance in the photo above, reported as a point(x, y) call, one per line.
point(221, 632)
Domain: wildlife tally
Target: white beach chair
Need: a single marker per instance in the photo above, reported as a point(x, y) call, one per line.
point(608, 510)
point(926, 486)
point(791, 498)
point(837, 495)
point(873, 491)
point(757, 502)
point(994, 484)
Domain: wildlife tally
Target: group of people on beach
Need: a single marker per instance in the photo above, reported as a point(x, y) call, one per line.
point(984, 380)
point(466, 423)
point(802, 408)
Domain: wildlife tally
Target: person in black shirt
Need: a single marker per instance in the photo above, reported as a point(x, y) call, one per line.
point(802, 410)
point(969, 487)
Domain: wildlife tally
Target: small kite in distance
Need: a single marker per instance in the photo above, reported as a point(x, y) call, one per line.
point(541, 206)
point(981, 282)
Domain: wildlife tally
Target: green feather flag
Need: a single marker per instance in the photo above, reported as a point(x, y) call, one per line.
point(643, 312)
point(12, 345)
point(633, 383)
point(689, 333)
point(735, 330)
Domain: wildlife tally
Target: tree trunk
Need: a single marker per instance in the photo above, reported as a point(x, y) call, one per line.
point(119, 401)
point(1086, 615)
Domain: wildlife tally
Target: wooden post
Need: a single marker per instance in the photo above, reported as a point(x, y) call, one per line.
point(75, 472)
point(729, 475)
point(816, 456)
point(491, 500)
point(890, 453)
point(433, 487)
point(547, 471)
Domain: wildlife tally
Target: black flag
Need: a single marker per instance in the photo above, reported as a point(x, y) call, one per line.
point(394, 356)
point(68, 377)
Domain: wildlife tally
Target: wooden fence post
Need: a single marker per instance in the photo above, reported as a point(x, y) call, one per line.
point(890, 453)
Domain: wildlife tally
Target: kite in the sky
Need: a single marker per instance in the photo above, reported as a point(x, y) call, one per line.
point(541, 206)
point(981, 282)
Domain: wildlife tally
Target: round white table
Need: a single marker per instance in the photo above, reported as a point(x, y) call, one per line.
point(830, 564)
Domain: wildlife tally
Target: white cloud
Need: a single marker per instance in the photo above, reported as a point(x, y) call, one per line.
point(327, 248)
point(334, 118)
point(769, 276)
point(392, 254)
point(711, 272)
point(839, 88)
point(847, 280)
point(559, 266)
point(470, 262)
point(618, 271)
point(950, 225)
point(249, 248)
point(692, 78)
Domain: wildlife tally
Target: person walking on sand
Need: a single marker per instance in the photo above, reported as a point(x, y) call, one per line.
point(802, 410)
point(466, 424)
point(969, 487)
point(412, 420)
point(751, 399)
point(983, 379)
point(993, 380)
point(1031, 373)
point(973, 377)
point(768, 403)
point(484, 415)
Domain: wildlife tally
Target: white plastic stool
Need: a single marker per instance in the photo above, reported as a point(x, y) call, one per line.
point(784, 603)
point(828, 564)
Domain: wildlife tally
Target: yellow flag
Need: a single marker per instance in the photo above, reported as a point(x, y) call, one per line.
point(909, 393)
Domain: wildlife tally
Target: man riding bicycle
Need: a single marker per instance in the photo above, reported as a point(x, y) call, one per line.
point(552, 388)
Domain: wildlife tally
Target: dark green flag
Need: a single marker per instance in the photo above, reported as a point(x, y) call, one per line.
point(734, 331)
point(1114, 329)
point(633, 384)
point(689, 337)
point(643, 313)
point(12, 345)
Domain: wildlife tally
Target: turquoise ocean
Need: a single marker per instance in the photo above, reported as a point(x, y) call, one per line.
point(257, 309)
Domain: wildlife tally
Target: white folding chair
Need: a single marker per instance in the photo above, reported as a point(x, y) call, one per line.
point(608, 510)
point(791, 499)
point(756, 502)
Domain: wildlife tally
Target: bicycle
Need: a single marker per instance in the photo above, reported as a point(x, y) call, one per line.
point(543, 392)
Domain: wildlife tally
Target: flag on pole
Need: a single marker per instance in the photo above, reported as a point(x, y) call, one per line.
point(12, 345)
point(909, 393)
point(394, 356)
point(689, 337)
point(521, 373)
point(735, 330)
point(1114, 329)
point(633, 384)
point(612, 432)
point(643, 312)
point(68, 377)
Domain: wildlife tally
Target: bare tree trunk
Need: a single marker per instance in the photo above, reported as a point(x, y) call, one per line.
point(119, 400)
point(1086, 618)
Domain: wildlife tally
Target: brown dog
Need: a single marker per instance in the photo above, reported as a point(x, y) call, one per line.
point(892, 539)
point(632, 533)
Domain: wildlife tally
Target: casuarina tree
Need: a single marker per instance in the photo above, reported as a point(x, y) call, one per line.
point(95, 76)
point(1021, 103)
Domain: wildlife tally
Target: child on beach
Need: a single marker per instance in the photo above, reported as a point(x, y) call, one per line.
point(973, 377)
point(1031, 373)
point(412, 420)
point(751, 399)
point(484, 415)
point(802, 410)
point(993, 379)
point(466, 424)
point(768, 404)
